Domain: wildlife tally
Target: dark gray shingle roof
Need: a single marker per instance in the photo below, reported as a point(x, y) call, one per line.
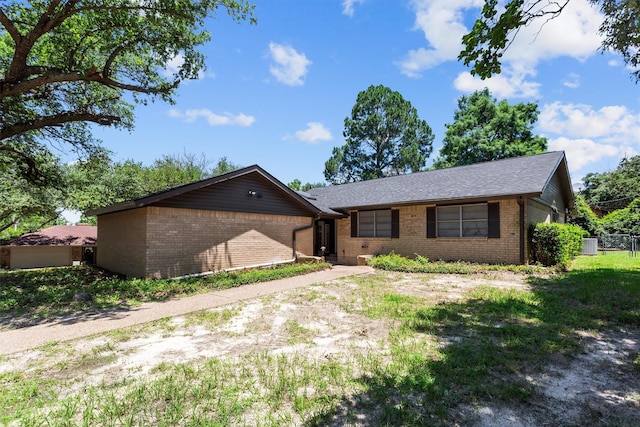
point(501, 178)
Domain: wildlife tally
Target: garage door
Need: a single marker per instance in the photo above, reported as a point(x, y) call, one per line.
point(40, 256)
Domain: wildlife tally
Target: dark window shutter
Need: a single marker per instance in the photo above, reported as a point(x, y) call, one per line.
point(354, 224)
point(494, 219)
point(431, 223)
point(395, 223)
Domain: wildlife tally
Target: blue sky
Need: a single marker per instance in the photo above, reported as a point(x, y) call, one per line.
point(276, 93)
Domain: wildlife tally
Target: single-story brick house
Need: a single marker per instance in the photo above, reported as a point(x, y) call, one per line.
point(477, 213)
point(56, 246)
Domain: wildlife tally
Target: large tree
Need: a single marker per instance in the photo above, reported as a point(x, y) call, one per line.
point(499, 23)
point(384, 136)
point(485, 129)
point(22, 202)
point(613, 190)
point(67, 63)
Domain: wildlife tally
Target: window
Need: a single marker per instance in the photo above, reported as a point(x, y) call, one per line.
point(378, 223)
point(476, 220)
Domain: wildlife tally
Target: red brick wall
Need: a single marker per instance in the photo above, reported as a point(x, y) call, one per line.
point(413, 240)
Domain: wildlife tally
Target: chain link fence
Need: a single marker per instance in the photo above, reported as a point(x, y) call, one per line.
point(619, 242)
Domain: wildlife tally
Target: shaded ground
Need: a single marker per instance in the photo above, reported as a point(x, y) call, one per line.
point(598, 385)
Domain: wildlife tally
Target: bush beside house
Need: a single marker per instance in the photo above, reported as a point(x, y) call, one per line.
point(556, 244)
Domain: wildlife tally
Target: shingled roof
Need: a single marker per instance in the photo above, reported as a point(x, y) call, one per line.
point(59, 235)
point(521, 176)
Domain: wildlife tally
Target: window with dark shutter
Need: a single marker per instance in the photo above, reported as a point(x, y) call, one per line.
point(395, 224)
point(375, 223)
point(431, 223)
point(494, 220)
point(474, 220)
point(354, 224)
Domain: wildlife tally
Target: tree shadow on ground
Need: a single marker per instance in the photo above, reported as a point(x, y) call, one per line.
point(497, 350)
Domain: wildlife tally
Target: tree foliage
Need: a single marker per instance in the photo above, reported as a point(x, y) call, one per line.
point(624, 221)
point(485, 129)
point(67, 63)
point(613, 190)
point(21, 200)
point(585, 218)
point(499, 24)
point(384, 136)
point(95, 182)
point(297, 185)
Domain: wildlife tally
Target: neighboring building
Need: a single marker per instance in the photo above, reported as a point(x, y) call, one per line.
point(478, 213)
point(57, 246)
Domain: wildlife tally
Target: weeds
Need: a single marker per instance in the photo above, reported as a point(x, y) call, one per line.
point(439, 357)
point(49, 292)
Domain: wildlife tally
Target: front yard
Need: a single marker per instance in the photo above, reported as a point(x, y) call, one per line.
point(393, 348)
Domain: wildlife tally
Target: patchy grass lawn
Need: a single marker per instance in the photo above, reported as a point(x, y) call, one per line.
point(392, 348)
point(43, 293)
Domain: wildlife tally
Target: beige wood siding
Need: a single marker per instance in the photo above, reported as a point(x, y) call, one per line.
point(39, 256)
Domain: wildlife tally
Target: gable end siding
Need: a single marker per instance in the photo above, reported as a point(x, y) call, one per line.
point(553, 195)
point(251, 193)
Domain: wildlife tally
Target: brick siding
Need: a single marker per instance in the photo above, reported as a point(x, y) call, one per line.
point(122, 242)
point(413, 240)
point(178, 241)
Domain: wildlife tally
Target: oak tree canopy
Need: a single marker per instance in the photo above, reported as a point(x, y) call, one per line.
point(65, 64)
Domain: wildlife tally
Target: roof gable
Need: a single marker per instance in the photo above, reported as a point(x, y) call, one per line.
point(249, 189)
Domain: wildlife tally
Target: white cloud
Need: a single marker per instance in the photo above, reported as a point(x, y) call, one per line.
point(289, 67)
point(573, 33)
point(348, 6)
point(572, 81)
point(314, 132)
point(611, 124)
point(583, 152)
point(505, 85)
point(443, 27)
point(590, 135)
point(225, 119)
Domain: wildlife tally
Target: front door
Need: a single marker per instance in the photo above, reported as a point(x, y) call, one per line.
point(325, 237)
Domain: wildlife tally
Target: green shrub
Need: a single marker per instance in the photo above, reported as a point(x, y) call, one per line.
point(556, 244)
point(421, 264)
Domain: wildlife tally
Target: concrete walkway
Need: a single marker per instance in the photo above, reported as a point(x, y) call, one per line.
point(73, 327)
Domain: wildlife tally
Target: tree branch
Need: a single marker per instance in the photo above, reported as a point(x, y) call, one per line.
point(57, 120)
point(10, 27)
point(55, 75)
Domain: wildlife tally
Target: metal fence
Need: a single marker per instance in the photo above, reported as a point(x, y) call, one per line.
point(619, 242)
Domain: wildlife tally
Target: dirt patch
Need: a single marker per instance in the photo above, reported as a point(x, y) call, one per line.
point(325, 321)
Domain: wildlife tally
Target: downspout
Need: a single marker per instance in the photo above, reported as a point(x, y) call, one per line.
point(522, 229)
point(267, 264)
point(301, 228)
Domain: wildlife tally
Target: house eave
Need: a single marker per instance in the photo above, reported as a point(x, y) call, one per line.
point(447, 201)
